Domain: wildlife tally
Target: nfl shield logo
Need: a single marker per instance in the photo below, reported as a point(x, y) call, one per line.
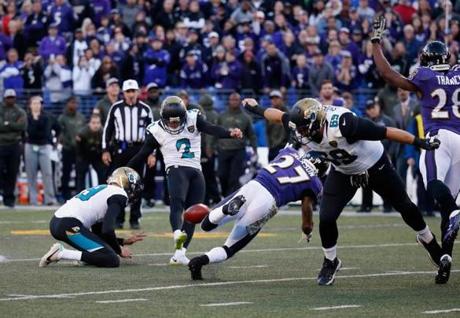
point(191, 129)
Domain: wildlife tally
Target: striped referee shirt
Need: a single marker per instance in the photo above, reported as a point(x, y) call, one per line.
point(126, 123)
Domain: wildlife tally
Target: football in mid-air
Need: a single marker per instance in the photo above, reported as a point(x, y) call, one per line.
point(196, 213)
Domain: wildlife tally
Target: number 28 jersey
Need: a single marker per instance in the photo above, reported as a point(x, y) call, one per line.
point(287, 179)
point(440, 98)
point(347, 156)
point(182, 149)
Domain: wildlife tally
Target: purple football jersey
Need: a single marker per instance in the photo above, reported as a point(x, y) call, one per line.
point(287, 179)
point(440, 98)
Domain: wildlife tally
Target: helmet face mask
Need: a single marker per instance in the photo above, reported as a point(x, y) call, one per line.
point(173, 114)
point(129, 180)
point(318, 160)
point(435, 55)
point(308, 117)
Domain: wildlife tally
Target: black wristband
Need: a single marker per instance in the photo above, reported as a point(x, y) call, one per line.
point(417, 142)
point(256, 110)
point(375, 40)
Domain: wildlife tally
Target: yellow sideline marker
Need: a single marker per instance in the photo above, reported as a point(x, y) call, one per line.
point(198, 235)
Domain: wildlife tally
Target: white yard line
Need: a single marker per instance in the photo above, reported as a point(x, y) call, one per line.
point(281, 249)
point(336, 307)
point(194, 285)
point(227, 304)
point(248, 266)
point(25, 222)
point(444, 311)
point(120, 300)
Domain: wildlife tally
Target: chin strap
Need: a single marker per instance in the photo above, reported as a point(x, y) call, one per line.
point(440, 67)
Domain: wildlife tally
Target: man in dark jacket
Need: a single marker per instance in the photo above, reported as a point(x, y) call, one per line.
point(276, 134)
point(12, 126)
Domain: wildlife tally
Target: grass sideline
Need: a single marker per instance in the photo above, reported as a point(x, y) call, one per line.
point(385, 274)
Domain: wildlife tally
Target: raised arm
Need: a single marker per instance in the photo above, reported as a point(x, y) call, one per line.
point(271, 114)
point(384, 68)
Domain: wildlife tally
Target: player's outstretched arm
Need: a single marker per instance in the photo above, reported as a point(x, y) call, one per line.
point(405, 137)
point(386, 71)
point(115, 204)
point(270, 114)
point(206, 127)
point(307, 216)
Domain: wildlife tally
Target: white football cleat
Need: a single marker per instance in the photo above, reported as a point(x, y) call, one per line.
point(52, 256)
point(179, 258)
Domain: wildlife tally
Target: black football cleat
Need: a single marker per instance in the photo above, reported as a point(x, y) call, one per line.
point(452, 230)
point(444, 270)
point(327, 273)
point(433, 249)
point(234, 205)
point(195, 266)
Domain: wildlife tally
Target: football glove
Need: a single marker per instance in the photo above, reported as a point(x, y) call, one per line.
point(359, 180)
point(253, 108)
point(378, 28)
point(431, 143)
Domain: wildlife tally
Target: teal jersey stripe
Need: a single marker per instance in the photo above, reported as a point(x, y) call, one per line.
point(84, 242)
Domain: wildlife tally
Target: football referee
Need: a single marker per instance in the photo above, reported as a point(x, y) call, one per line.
point(123, 136)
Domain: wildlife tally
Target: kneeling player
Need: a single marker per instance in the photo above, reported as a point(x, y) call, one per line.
point(86, 222)
point(289, 177)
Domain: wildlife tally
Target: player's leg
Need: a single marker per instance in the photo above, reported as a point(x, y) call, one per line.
point(252, 216)
point(195, 195)
point(337, 192)
point(178, 184)
point(91, 249)
point(31, 165)
point(384, 179)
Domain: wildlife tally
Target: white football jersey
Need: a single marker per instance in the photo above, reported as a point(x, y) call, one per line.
point(348, 158)
point(182, 149)
point(90, 205)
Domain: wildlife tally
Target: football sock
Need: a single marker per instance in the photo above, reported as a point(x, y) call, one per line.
point(176, 234)
point(425, 235)
point(217, 255)
point(216, 215)
point(70, 254)
point(330, 253)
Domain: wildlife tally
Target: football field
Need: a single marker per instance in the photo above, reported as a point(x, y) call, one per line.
point(385, 274)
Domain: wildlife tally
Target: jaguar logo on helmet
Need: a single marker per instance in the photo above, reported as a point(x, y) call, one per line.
point(309, 116)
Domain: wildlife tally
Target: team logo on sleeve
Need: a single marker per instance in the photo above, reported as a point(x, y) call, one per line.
point(412, 75)
point(191, 129)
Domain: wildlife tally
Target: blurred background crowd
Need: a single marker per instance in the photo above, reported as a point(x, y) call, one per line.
point(62, 61)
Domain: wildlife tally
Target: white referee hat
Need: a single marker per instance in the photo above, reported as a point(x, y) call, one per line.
point(130, 84)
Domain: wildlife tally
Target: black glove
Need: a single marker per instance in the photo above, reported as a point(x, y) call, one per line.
point(431, 143)
point(359, 180)
point(256, 110)
point(378, 28)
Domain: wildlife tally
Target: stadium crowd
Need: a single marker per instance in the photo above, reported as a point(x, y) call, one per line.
point(61, 61)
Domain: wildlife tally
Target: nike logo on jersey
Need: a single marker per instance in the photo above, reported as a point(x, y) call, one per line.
point(380, 168)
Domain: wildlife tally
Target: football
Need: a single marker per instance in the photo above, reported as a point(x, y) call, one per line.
point(196, 213)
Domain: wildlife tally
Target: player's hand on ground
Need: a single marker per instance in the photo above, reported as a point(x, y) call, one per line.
point(134, 238)
point(236, 133)
point(431, 143)
point(378, 28)
point(151, 160)
point(125, 252)
point(106, 158)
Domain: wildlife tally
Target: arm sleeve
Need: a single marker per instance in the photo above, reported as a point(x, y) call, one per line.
point(211, 129)
point(286, 119)
point(116, 204)
point(150, 144)
point(357, 128)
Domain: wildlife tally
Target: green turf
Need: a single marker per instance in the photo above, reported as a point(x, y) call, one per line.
point(385, 273)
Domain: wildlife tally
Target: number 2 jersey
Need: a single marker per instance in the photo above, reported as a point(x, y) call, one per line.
point(440, 98)
point(288, 179)
point(90, 206)
point(182, 149)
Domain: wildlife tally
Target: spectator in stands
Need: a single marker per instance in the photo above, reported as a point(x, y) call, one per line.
point(250, 74)
point(346, 74)
point(300, 73)
point(367, 70)
point(153, 99)
point(193, 74)
point(348, 45)
point(412, 45)
point(365, 11)
point(53, 44)
point(112, 95)
point(232, 152)
point(319, 72)
point(78, 47)
point(101, 9)
point(71, 121)
point(334, 56)
point(35, 27)
point(41, 129)
point(157, 60)
point(327, 96)
point(244, 12)
point(58, 80)
point(63, 17)
point(227, 74)
point(129, 12)
point(81, 76)
point(89, 153)
point(9, 15)
point(10, 72)
point(18, 40)
point(194, 19)
point(165, 16)
point(276, 134)
point(210, 51)
point(32, 73)
point(349, 103)
point(13, 122)
point(275, 69)
point(107, 70)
